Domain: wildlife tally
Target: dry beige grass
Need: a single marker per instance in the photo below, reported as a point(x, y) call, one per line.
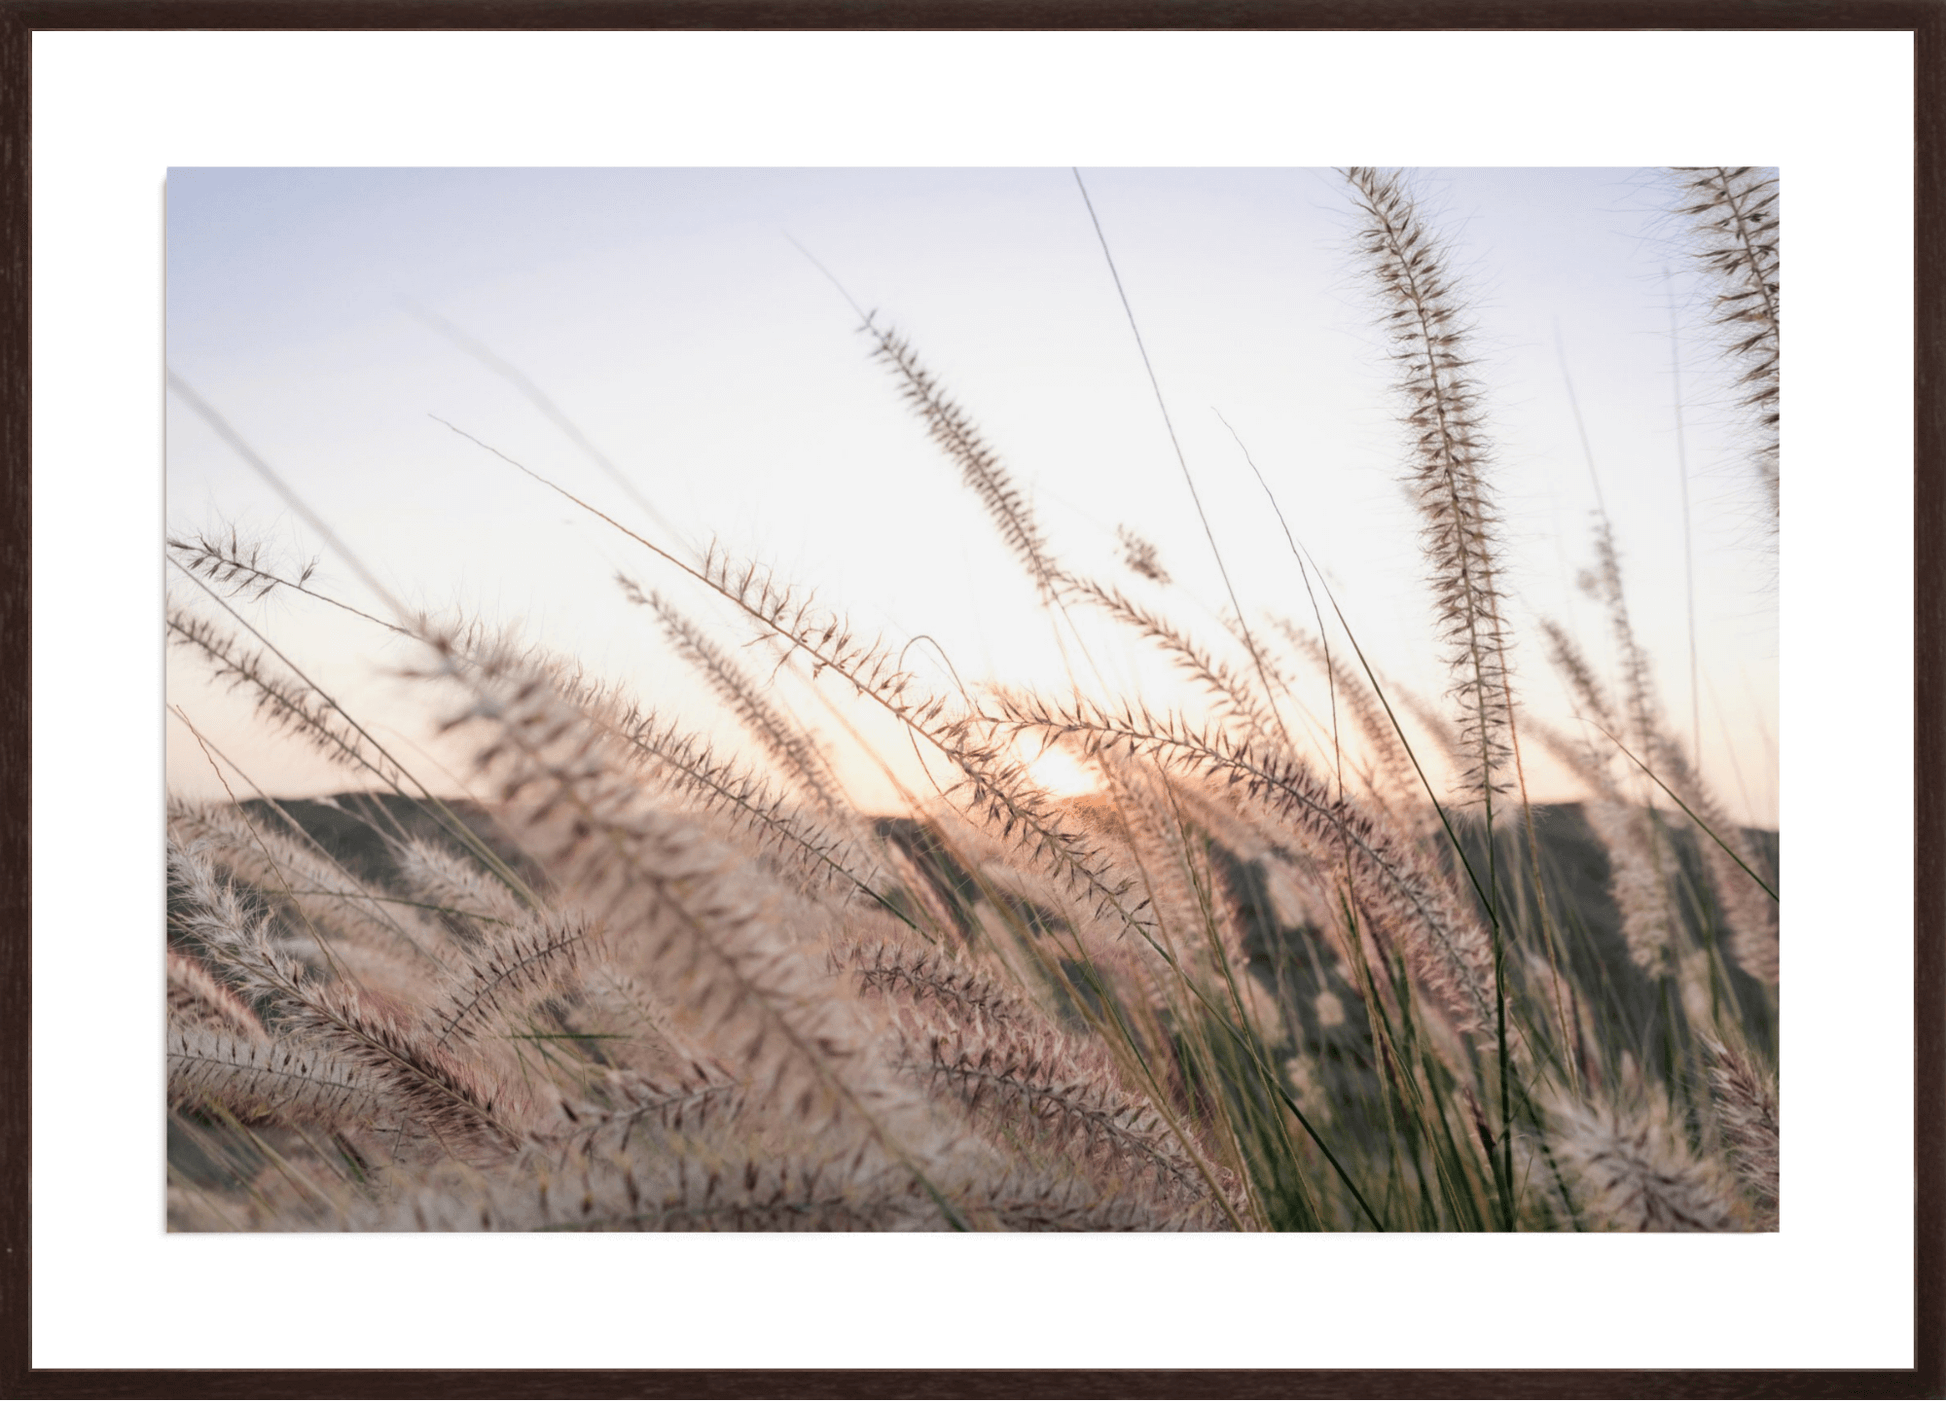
point(642, 985)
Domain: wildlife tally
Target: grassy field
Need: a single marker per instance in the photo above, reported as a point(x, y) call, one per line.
point(1272, 943)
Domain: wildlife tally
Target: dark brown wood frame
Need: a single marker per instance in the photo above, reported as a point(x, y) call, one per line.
point(1925, 19)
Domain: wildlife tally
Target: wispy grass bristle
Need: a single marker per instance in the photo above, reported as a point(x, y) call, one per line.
point(1423, 314)
point(1734, 215)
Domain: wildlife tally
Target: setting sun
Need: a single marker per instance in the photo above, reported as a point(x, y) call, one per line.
point(1055, 770)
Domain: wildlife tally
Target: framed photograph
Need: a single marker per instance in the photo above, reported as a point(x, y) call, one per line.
point(833, 645)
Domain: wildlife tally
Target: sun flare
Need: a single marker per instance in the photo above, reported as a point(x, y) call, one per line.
point(1055, 770)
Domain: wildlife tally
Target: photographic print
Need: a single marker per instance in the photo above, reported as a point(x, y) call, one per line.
point(1193, 700)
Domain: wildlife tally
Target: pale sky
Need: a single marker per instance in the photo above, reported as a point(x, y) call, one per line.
point(673, 318)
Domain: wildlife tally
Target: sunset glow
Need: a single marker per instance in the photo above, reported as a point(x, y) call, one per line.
point(1057, 771)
